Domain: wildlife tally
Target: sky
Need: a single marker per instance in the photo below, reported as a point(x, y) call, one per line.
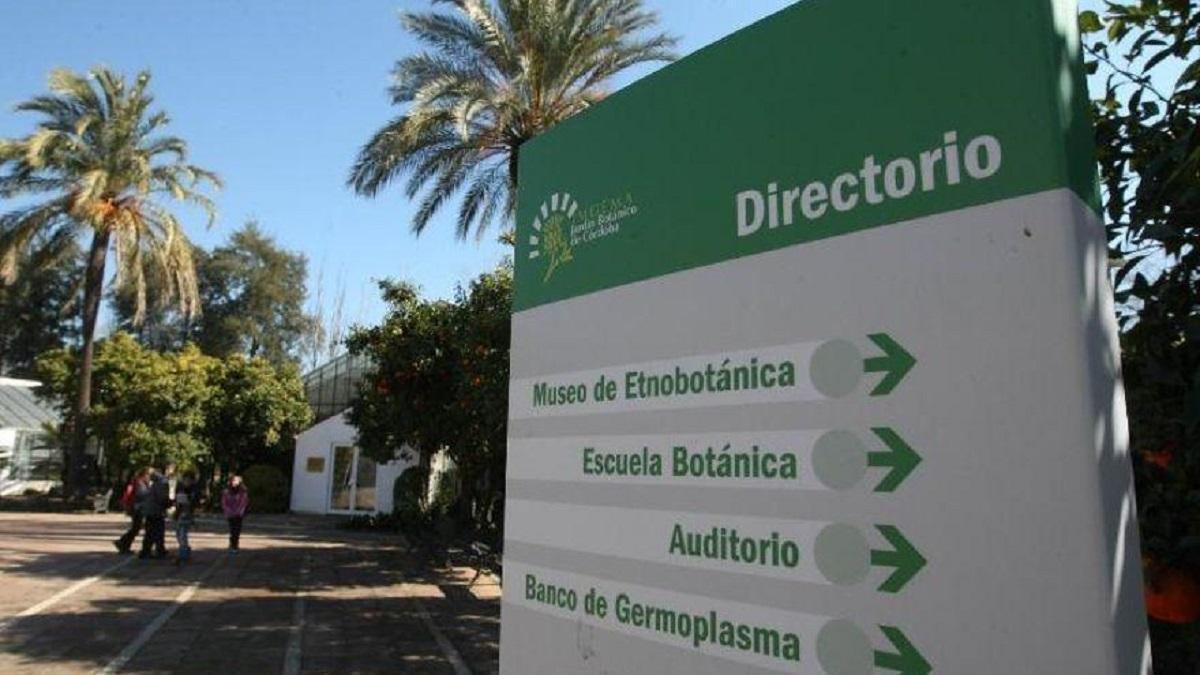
point(276, 96)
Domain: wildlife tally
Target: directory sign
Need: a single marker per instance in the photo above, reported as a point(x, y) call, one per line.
point(814, 365)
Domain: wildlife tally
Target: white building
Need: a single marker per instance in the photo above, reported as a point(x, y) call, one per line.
point(330, 474)
point(27, 461)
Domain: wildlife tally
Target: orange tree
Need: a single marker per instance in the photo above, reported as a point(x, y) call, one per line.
point(439, 380)
point(1147, 121)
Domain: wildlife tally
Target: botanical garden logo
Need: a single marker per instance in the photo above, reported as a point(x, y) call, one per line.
point(561, 226)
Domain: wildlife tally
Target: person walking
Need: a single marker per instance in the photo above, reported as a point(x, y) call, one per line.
point(129, 503)
point(187, 494)
point(234, 502)
point(154, 507)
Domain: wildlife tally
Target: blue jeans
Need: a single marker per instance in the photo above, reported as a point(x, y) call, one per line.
point(181, 536)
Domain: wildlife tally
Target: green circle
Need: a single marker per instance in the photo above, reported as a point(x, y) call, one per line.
point(843, 649)
point(843, 554)
point(835, 368)
point(839, 460)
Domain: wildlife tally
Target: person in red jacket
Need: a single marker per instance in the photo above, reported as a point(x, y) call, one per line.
point(234, 502)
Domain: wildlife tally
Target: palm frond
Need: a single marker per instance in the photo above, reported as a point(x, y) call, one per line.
point(97, 151)
point(495, 74)
point(20, 227)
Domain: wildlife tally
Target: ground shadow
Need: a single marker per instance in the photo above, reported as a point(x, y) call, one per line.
point(359, 635)
point(365, 599)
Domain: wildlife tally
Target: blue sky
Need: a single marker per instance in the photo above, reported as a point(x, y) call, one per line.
point(276, 96)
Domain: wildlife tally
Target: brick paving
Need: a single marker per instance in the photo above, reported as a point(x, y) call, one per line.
point(326, 600)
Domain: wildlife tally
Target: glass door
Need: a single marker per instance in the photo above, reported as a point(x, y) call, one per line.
point(352, 488)
point(364, 485)
point(342, 487)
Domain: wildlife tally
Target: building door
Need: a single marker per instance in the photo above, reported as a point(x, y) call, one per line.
point(352, 489)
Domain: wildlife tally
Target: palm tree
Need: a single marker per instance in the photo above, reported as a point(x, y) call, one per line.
point(498, 73)
point(97, 167)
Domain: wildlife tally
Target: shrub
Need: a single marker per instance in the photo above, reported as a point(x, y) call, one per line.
point(408, 492)
point(408, 501)
point(268, 488)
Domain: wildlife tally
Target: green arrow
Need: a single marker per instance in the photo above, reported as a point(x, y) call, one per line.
point(900, 457)
point(896, 362)
point(906, 660)
point(903, 556)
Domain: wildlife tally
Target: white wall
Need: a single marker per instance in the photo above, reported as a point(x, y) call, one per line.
point(310, 490)
point(8, 441)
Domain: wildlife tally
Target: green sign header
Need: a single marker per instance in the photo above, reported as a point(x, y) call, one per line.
point(787, 132)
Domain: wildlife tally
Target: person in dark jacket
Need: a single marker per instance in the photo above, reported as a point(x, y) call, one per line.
point(154, 502)
point(129, 503)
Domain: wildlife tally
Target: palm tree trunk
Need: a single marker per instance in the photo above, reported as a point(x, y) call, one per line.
point(93, 289)
point(509, 236)
point(514, 161)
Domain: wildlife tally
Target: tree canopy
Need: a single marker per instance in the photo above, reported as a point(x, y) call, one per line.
point(185, 407)
point(256, 413)
point(253, 294)
point(37, 310)
point(496, 74)
point(252, 291)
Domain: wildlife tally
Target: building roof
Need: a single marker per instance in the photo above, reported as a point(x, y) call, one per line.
point(331, 387)
point(20, 409)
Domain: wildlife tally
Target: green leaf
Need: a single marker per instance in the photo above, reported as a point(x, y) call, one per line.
point(1116, 30)
point(1190, 74)
point(1157, 59)
point(1089, 22)
point(1130, 265)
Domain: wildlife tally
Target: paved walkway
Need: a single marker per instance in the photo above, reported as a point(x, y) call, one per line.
point(298, 598)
